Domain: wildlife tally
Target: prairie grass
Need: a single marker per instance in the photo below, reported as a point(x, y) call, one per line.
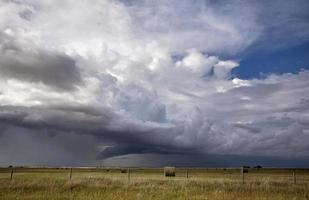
point(151, 184)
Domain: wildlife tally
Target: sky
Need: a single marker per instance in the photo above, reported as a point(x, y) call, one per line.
point(154, 83)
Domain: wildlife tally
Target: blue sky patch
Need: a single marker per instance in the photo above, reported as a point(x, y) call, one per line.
point(260, 64)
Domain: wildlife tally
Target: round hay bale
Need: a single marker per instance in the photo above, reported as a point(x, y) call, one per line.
point(169, 171)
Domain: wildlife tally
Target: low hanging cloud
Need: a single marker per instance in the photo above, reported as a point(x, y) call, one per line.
point(40, 66)
point(119, 82)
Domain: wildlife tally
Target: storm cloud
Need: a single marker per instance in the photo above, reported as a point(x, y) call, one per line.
point(50, 68)
point(89, 81)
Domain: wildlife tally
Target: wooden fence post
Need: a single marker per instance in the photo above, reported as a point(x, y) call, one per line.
point(71, 173)
point(242, 175)
point(12, 171)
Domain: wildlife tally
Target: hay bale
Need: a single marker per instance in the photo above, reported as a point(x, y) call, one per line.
point(169, 171)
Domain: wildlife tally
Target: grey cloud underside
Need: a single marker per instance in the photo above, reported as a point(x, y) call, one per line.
point(129, 140)
point(86, 121)
point(50, 68)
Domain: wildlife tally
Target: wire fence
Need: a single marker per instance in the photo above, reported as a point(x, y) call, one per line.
point(240, 175)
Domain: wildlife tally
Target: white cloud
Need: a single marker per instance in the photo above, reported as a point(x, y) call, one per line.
point(223, 68)
point(197, 63)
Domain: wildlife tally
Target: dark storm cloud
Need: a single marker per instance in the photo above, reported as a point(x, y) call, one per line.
point(79, 120)
point(144, 147)
point(54, 119)
point(50, 68)
point(86, 121)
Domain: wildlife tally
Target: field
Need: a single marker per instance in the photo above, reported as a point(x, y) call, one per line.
point(212, 184)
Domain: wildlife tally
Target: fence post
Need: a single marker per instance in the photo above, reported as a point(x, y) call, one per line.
point(71, 173)
point(128, 174)
point(294, 177)
point(242, 175)
point(12, 171)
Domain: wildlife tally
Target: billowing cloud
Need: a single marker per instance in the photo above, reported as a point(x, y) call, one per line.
point(134, 78)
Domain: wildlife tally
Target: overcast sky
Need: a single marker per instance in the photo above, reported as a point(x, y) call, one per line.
point(154, 82)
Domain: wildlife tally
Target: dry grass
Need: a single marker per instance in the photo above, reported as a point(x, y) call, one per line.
point(151, 184)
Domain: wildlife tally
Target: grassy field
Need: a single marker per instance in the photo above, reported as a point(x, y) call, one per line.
point(212, 184)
